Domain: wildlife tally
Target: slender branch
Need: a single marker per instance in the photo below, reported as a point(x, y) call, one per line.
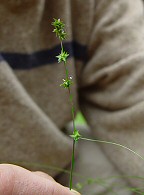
point(113, 143)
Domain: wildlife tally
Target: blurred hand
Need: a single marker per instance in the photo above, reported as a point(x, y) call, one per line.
point(15, 180)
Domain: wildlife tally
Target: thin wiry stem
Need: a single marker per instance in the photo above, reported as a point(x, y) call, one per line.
point(72, 166)
point(73, 121)
point(113, 143)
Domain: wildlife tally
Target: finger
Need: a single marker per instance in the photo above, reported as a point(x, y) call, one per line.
point(75, 192)
point(16, 180)
point(44, 175)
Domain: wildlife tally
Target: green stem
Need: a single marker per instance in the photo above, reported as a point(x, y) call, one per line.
point(72, 109)
point(61, 45)
point(72, 165)
point(74, 128)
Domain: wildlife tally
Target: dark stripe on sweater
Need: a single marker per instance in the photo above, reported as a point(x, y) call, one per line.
point(44, 57)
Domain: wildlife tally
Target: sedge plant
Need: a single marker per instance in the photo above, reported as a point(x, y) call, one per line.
point(59, 30)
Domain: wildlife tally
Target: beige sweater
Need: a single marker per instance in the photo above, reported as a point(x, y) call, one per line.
point(106, 46)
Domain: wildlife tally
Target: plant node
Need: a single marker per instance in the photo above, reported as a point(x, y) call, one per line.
point(76, 135)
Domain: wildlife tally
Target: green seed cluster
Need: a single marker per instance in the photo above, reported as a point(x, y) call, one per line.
point(66, 83)
point(59, 29)
point(62, 57)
